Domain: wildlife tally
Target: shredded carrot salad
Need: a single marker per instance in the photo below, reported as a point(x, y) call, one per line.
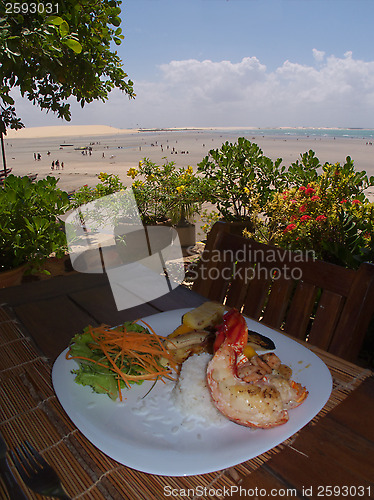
point(128, 352)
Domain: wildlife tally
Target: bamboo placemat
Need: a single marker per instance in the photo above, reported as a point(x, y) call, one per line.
point(30, 410)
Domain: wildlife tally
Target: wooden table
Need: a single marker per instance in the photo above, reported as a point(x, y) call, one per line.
point(332, 456)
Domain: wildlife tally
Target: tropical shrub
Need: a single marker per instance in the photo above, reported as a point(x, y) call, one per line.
point(329, 215)
point(208, 219)
point(241, 178)
point(166, 192)
point(30, 228)
point(109, 184)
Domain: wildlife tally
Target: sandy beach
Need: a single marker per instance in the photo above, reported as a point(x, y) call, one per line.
point(116, 150)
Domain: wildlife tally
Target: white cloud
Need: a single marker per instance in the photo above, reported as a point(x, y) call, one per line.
point(318, 55)
point(334, 92)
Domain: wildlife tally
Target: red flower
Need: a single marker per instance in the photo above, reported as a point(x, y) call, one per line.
point(315, 198)
point(343, 201)
point(356, 202)
point(302, 208)
point(321, 218)
point(290, 227)
point(304, 218)
point(310, 190)
point(302, 188)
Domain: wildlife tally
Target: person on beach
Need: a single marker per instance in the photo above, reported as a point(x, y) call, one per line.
point(53, 165)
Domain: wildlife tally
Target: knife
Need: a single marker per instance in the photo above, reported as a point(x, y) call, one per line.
point(13, 487)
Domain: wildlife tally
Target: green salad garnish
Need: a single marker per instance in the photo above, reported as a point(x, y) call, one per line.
point(112, 359)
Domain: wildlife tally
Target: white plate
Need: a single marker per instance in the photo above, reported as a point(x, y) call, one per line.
point(159, 445)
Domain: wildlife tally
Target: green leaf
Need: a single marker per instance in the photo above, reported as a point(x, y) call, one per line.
point(33, 47)
point(64, 29)
point(74, 45)
point(55, 20)
point(116, 21)
point(6, 98)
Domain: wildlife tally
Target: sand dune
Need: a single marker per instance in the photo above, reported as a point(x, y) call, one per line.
point(65, 130)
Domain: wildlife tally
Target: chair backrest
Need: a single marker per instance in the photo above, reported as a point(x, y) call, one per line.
point(328, 305)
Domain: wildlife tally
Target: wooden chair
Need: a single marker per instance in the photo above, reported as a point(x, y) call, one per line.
point(328, 305)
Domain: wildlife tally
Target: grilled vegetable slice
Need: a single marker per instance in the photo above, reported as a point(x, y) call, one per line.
point(204, 316)
point(258, 341)
point(183, 346)
point(181, 330)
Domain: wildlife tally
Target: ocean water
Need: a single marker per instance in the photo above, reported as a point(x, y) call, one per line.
point(350, 133)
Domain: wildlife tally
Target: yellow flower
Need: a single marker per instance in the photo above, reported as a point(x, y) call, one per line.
point(180, 189)
point(247, 190)
point(138, 183)
point(189, 170)
point(140, 163)
point(132, 172)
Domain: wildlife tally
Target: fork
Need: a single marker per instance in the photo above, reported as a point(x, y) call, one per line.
point(36, 473)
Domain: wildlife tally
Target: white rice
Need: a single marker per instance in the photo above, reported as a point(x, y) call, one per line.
point(191, 395)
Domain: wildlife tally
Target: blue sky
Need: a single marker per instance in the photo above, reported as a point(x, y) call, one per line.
point(263, 63)
point(271, 30)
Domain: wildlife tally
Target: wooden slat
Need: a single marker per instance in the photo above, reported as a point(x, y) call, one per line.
point(99, 303)
point(298, 316)
point(265, 483)
point(276, 307)
point(53, 322)
point(361, 420)
point(54, 287)
point(216, 276)
point(329, 453)
point(342, 331)
point(335, 451)
point(257, 294)
point(322, 274)
point(179, 298)
point(238, 286)
point(356, 315)
point(326, 318)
